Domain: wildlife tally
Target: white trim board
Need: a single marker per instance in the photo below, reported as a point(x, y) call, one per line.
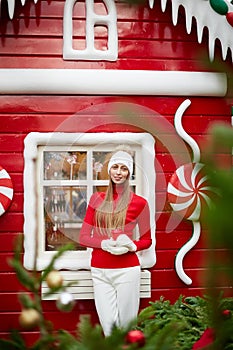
point(83, 289)
point(111, 82)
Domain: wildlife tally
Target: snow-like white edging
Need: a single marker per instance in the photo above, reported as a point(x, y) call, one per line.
point(201, 10)
point(206, 17)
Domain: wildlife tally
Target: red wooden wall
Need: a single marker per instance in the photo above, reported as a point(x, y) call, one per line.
point(147, 40)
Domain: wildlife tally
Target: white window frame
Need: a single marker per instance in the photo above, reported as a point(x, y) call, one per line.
point(92, 19)
point(73, 260)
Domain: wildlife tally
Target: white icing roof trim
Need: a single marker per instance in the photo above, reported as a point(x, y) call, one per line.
point(11, 6)
point(201, 10)
point(205, 16)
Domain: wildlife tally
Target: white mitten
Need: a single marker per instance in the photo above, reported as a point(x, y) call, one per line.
point(124, 241)
point(106, 244)
point(118, 250)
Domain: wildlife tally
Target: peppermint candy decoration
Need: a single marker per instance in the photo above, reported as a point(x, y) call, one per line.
point(188, 191)
point(6, 190)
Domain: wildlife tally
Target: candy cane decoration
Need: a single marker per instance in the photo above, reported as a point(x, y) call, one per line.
point(6, 190)
point(183, 134)
point(188, 192)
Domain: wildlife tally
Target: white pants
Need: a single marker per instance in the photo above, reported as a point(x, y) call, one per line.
point(117, 296)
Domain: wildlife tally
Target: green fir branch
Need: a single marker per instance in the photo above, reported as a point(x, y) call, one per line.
point(56, 256)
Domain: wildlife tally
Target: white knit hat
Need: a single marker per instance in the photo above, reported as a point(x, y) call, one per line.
point(121, 157)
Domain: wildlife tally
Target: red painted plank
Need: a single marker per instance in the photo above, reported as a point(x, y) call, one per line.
point(67, 321)
point(55, 9)
point(9, 283)
point(10, 302)
point(11, 142)
point(70, 105)
point(163, 218)
point(17, 180)
point(8, 61)
point(4, 262)
point(127, 48)
point(9, 239)
point(12, 162)
point(53, 27)
point(14, 142)
point(170, 162)
point(9, 321)
point(169, 279)
point(193, 259)
point(71, 123)
point(176, 239)
point(17, 202)
point(12, 222)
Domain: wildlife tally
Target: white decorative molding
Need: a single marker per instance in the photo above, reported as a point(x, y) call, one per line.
point(184, 250)
point(111, 82)
point(92, 20)
point(183, 134)
point(188, 190)
point(216, 24)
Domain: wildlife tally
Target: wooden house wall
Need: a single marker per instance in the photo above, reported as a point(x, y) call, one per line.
point(147, 40)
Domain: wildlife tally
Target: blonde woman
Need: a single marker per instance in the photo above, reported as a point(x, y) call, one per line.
point(108, 228)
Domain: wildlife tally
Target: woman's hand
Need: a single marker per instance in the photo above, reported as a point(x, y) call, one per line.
point(118, 250)
point(106, 244)
point(124, 241)
point(110, 246)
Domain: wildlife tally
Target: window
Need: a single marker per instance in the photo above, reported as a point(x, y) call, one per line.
point(106, 21)
point(62, 170)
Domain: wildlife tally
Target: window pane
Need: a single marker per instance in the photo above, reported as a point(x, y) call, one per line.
point(64, 210)
point(100, 162)
point(65, 165)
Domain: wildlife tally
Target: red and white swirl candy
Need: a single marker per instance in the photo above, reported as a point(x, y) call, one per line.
point(6, 190)
point(188, 191)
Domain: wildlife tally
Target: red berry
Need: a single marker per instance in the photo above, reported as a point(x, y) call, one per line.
point(136, 336)
point(226, 313)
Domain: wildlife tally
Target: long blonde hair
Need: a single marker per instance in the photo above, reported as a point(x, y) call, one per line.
point(108, 217)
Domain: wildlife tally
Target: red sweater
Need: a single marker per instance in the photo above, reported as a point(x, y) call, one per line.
point(137, 214)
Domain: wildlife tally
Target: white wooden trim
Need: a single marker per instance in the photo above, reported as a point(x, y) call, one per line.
point(92, 18)
point(84, 287)
point(111, 82)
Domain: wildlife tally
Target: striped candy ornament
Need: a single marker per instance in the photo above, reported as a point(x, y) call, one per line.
point(6, 190)
point(188, 191)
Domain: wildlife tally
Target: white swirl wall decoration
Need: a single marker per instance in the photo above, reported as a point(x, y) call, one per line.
point(188, 192)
